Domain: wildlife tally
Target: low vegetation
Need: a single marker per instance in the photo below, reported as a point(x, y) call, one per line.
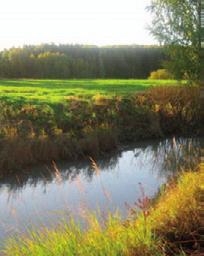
point(151, 229)
point(40, 131)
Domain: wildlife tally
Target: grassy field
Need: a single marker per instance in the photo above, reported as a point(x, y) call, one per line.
point(57, 90)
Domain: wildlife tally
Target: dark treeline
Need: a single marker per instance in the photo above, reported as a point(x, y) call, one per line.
point(76, 61)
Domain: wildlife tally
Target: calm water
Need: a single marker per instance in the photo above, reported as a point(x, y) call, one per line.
point(43, 196)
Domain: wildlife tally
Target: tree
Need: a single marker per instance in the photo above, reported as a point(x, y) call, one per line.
point(74, 61)
point(201, 18)
point(176, 24)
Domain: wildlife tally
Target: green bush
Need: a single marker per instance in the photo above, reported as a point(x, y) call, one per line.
point(160, 74)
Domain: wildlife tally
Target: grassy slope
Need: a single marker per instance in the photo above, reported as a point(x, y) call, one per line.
point(176, 212)
point(57, 90)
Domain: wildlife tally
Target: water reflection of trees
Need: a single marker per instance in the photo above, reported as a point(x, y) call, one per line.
point(166, 156)
point(178, 155)
point(172, 155)
point(47, 174)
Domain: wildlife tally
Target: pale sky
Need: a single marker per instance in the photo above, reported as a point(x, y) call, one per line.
point(99, 22)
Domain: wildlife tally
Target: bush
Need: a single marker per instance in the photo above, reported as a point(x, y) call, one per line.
point(160, 74)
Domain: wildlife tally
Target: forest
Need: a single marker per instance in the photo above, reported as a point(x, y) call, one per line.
point(80, 61)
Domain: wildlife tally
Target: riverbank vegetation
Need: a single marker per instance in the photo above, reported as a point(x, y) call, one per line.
point(35, 131)
point(156, 228)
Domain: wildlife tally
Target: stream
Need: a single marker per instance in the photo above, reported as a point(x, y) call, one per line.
point(44, 195)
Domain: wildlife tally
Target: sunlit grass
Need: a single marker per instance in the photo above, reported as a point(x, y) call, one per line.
point(176, 212)
point(58, 90)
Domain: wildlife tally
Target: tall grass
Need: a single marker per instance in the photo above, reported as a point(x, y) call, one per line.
point(150, 231)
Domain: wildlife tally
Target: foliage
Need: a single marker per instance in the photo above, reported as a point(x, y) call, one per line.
point(146, 233)
point(179, 108)
point(176, 25)
point(74, 61)
point(160, 74)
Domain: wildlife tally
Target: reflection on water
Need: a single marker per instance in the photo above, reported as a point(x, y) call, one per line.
point(43, 195)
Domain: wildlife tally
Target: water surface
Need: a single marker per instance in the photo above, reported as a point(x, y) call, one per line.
point(43, 196)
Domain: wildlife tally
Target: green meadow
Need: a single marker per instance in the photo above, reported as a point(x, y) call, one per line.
point(54, 91)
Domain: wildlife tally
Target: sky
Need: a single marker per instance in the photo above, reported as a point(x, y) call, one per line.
point(95, 22)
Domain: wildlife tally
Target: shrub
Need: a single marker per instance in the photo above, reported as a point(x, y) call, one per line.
point(161, 74)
